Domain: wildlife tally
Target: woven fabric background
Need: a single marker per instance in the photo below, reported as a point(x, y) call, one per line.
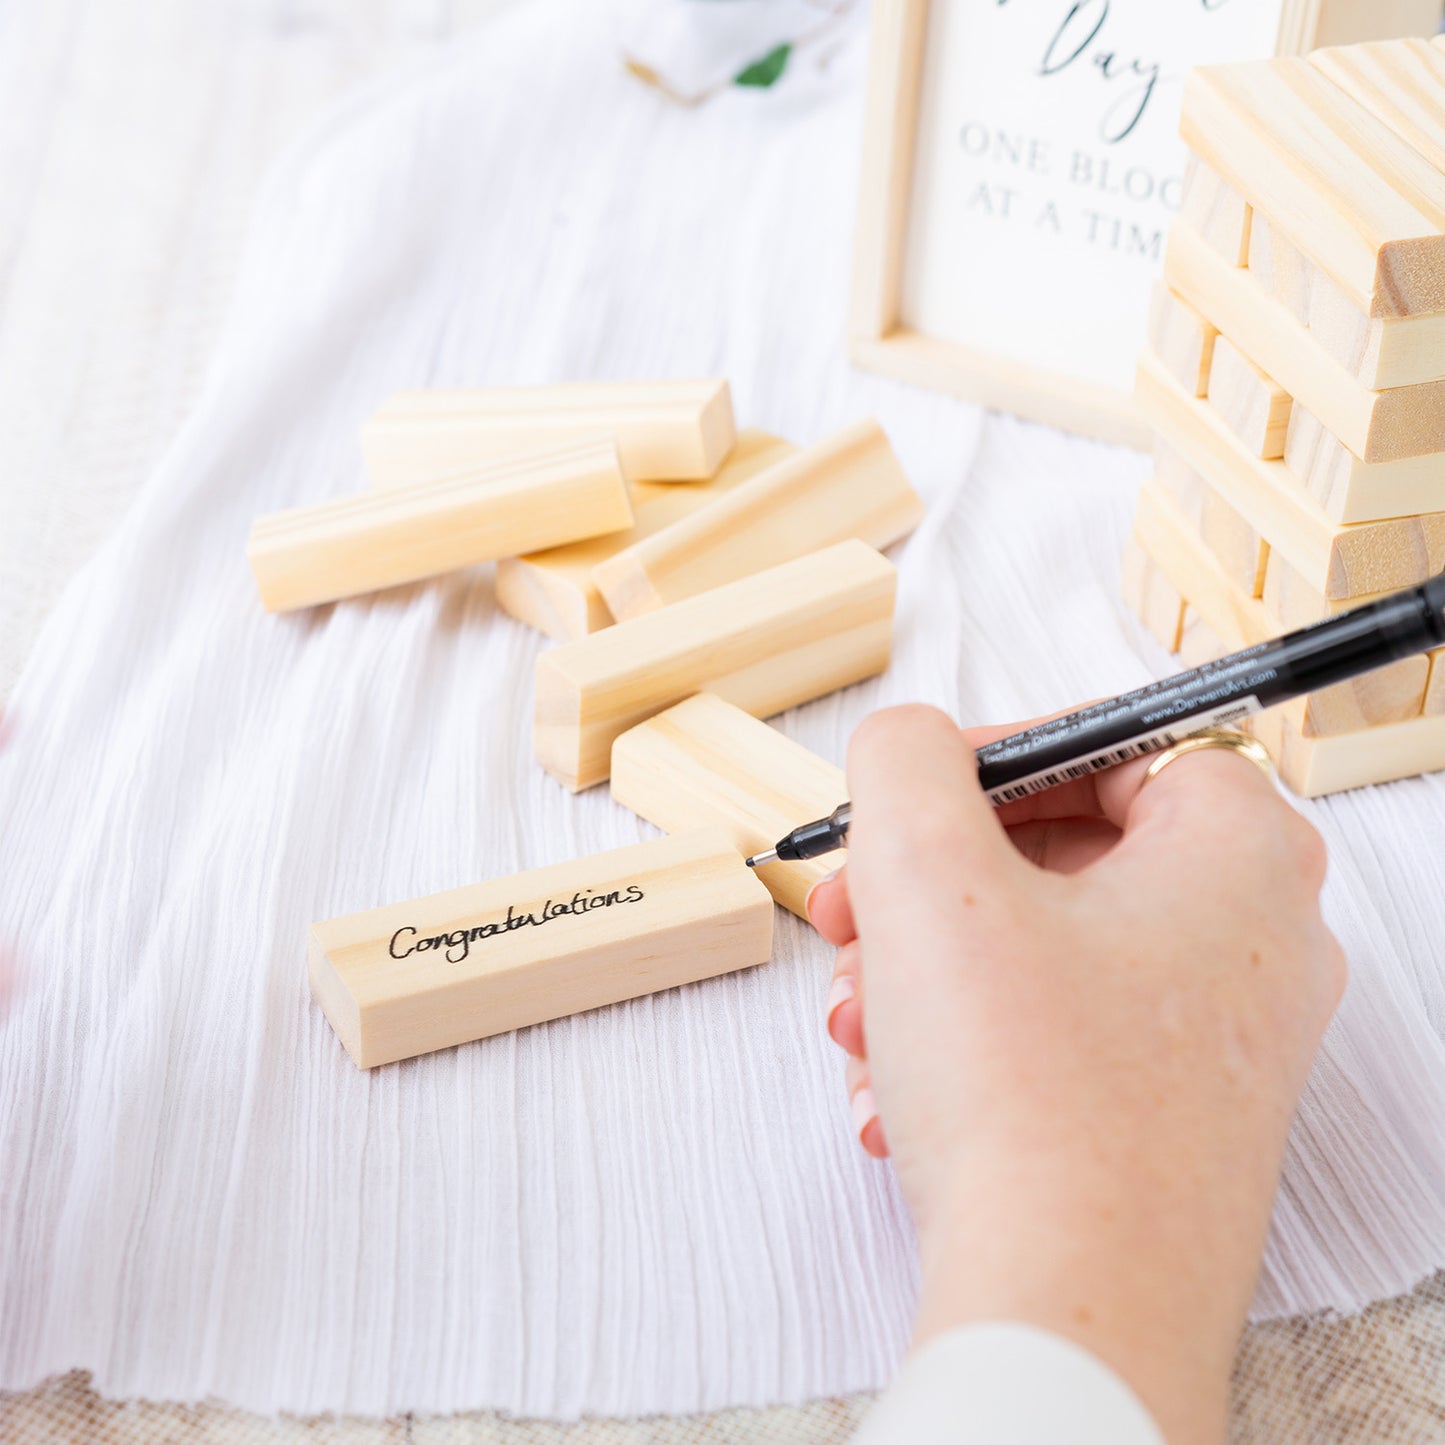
point(106, 328)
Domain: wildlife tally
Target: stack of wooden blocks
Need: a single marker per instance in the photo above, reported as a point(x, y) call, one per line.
point(699, 581)
point(1295, 380)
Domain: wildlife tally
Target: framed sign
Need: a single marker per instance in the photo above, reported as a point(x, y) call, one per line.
point(1021, 165)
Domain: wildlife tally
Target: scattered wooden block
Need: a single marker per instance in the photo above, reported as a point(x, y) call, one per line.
point(848, 486)
point(1181, 338)
point(1313, 767)
point(1252, 405)
point(1237, 546)
point(1349, 490)
point(666, 431)
point(1334, 180)
point(1216, 211)
point(1151, 596)
point(380, 539)
point(1338, 561)
point(411, 978)
point(766, 642)
point(706, 762)
point(1280, 267)
point(554, 590)
point(1378, 426)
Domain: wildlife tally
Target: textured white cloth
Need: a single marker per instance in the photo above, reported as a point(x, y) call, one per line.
point(1007, 1384)
point(654, 1207)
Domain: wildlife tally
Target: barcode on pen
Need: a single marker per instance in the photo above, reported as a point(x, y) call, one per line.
point(1112, 757)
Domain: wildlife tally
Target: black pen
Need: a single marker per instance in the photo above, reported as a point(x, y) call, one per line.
point(1106, 734)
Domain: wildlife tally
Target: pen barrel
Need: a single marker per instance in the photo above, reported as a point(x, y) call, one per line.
point(1352, 643)
point(1218, 694)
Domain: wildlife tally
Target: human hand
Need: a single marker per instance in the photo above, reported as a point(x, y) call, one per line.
point(1086, 1018)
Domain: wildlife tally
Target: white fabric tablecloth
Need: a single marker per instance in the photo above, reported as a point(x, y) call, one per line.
point(654, 1207)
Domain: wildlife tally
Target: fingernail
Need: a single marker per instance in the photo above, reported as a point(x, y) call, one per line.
point(826, 878)
point(865, 1111)
point(844, 988)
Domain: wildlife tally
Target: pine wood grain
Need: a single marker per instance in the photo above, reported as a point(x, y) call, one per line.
point(1377, 426)
point(1151, 596)
point(380, 539)
point(1435, 690)
point(1339, 184)
point(1280, 267)
point(850, 485)
point(1349, 490)
point(1399, 82)
point(665, 431)
point(765, 643)
point(707, 762)
point(411, 978)
point(553, 590)
point(1339, 561)
point(1181, 338)
point(1216, 211)
point(1292, 602)
point(1248, 400)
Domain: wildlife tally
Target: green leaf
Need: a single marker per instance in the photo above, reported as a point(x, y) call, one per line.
point(766, 71)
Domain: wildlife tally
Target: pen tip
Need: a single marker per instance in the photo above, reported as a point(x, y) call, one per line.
point(760, 858)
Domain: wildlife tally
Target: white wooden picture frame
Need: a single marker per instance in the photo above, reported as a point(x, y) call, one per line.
point(1032, 353)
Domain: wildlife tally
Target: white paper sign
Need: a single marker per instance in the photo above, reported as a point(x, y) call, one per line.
point(1048, 166)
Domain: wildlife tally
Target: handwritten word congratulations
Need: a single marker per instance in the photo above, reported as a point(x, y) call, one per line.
point(1084, 35)
point(404, 942)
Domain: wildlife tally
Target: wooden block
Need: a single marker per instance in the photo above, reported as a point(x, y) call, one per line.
point(1435, 691)
point(1291, 602)
point(1181, 481)
point(554, 590)
point(1399, 82)
point(1378, 426)
point(1233, 621)
point(666, 431)
point(1379, 351)
point(1239, 549)
point(1313, 767)
point(380, 539)
point(1347, 22)
point(1338, 561)
point(1151, 596)
point(1199, 643)
point(1216, 211)
point(848, 486)
point(1349, 490)
point(414, 977)
point(1235, 617)
point(1389, 694)
point(1280, 267)
point(1181, 338)
point(1334, 180)
point(766, 643)
point(1252, 405)
point(706, 762)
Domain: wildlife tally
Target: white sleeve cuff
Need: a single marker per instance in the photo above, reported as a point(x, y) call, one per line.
point(1007, 1384)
